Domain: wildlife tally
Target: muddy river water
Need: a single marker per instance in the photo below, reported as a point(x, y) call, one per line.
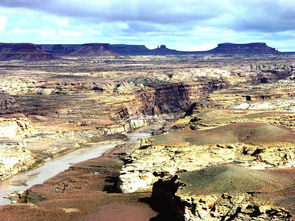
point(52, 167)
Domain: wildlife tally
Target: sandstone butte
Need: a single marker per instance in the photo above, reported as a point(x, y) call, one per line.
point(224, 149)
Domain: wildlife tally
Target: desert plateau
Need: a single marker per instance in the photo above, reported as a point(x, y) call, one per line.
point(217, 135)
point(140, 110)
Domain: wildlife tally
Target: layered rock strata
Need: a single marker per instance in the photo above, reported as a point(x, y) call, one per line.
point(169, 154)
point(78, 102)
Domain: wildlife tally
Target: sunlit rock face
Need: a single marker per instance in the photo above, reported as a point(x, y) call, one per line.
point(14, 158)
point(14, 154)
point(15, 129)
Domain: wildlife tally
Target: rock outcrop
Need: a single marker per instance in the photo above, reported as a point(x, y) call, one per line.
point(223, 193)
point(14, 154)
point(15, 128)
point(15, 157)
point(242, 144)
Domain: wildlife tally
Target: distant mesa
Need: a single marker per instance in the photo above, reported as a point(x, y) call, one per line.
point(88, 49)
point(60, 49)
point(123, 49)
point(28, 51)
point(95, 49)
point(163, 50)
point(104, 49)
point(23, 51)
point(249, 48)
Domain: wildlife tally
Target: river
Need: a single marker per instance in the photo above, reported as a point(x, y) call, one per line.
point(24, 181)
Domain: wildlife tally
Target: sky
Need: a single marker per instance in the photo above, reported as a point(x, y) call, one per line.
point(179, 24)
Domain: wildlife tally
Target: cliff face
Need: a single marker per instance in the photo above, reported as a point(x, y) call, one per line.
point(23, 51)
point(171, 99)
point(251, 48)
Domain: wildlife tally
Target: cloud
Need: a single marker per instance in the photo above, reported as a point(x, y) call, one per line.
point(183, 25)
point(262, 15)
point(53, 35)
point(155, 11)
point(3, 21)
point(255, 15)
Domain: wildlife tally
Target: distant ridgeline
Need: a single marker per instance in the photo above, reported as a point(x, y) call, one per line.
point(28, 51)
point(102, 49)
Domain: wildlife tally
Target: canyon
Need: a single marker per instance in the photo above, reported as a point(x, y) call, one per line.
point(222, 144)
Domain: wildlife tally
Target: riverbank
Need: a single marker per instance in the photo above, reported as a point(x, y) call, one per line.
point(85, 191)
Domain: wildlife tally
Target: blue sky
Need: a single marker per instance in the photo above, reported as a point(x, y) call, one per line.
point(180, 24)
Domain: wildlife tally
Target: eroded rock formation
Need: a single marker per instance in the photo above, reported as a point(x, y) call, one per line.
point(223, 193)
point(231, 110)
